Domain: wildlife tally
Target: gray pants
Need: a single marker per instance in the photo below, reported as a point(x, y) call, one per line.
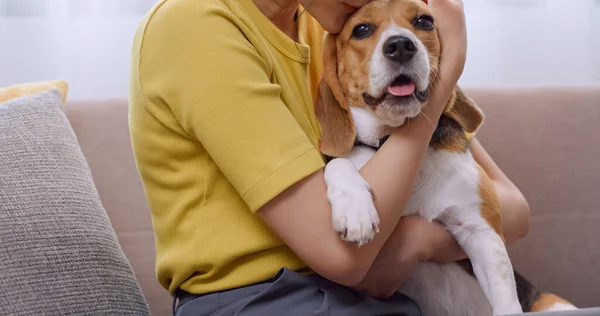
point(292, 294)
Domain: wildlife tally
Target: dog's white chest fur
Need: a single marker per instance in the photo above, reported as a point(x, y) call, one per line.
point(446, 179)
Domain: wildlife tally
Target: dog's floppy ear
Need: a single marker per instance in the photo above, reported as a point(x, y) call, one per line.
point(331, 108)
point(465, 111)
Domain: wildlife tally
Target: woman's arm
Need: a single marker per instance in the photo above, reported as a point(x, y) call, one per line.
point(301, 215)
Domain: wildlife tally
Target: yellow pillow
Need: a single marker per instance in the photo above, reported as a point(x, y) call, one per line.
point(21, 90)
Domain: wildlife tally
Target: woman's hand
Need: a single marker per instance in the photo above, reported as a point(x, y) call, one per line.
point(414, 240)
point(452, 31)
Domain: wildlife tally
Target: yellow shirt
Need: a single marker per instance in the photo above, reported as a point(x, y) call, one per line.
point(221, 121)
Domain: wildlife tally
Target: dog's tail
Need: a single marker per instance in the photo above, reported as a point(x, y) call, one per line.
point(533, 300)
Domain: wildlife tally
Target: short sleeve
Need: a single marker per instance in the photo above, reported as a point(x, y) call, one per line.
point(196, 59)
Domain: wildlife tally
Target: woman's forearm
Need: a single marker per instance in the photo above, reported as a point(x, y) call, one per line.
point(391, 173)
point(393, 184)
point(402, 154)
point(302, 214)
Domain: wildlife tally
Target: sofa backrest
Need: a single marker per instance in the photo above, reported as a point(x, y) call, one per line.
point(103, 134)
point(545, 139)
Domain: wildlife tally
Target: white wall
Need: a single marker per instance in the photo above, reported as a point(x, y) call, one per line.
point(88, 42)
point(73, 40)
point(533, 42)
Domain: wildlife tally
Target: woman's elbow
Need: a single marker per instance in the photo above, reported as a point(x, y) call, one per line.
point(515, 209)
point(520, 215)
point(342, 270)
point(524, 216)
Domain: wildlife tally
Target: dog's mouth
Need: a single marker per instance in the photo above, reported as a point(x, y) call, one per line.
point(402, 86)
point(401, 89)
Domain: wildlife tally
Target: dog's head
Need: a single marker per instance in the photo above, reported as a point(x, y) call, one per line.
point(385, 61)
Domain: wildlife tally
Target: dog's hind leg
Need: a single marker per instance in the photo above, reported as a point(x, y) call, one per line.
point(488, 255)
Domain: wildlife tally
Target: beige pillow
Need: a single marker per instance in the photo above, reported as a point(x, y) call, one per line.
point(25, 89)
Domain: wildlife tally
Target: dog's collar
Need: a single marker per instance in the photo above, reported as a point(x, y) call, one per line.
point(380, 143)
point(375, 148)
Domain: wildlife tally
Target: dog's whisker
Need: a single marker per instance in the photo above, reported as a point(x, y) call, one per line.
point(426, 117)
point(434, 77)
point(433, 60)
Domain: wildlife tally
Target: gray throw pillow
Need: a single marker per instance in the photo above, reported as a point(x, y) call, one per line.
point(58, 252)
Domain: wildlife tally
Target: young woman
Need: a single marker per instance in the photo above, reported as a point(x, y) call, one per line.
point(225, 138)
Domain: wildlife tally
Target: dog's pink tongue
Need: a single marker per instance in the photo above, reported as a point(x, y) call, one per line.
point(402, 90)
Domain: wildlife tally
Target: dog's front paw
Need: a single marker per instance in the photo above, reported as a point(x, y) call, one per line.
point(354, 215)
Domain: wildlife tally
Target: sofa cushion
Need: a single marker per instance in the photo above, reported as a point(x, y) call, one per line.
point(24, 89)
point(58, 252)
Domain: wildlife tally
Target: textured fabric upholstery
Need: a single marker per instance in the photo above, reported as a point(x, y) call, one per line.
point(58, 252)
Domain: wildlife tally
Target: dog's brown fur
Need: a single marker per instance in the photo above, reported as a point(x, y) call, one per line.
point(345, 79)
point(545, 301)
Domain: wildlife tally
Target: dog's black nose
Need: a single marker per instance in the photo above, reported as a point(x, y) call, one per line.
point(399, 49)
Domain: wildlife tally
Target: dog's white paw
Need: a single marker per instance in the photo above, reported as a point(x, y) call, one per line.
point(354, 215)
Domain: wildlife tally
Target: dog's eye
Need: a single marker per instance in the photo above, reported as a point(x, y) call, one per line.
point(362, 31)
point(424, 22)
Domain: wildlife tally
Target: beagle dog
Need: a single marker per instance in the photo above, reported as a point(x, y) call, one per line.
point(377, 74)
